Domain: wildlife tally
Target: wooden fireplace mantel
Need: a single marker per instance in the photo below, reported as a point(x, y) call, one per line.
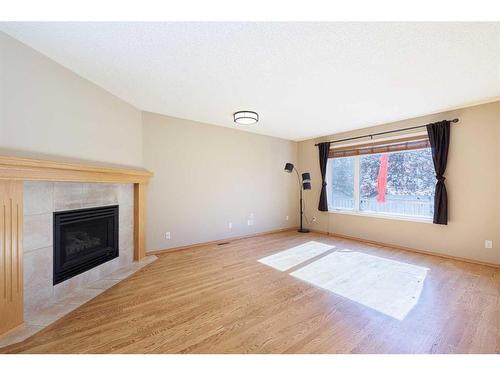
point(15, 170)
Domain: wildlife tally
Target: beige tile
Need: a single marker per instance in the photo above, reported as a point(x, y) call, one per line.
point(104, 284)
point(126, 227)
point(49, 315)
point(82, 296)
point(122, 273)
point(136, 266)
point(19, 334)
point(38, 197)
point(67, 287)
point(131, 268)
point(68, 195)
point(109, 267)
point(99, 194)
point(38, 288)
point(147, 260)
point(37, 232)
point(91, 276)
point(126, 242)
point(125, 194)
point(126, 257)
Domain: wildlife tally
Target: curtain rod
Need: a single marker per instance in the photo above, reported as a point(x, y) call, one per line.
point(382, 133)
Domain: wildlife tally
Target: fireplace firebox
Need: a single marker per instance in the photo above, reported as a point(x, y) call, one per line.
point(84, 239)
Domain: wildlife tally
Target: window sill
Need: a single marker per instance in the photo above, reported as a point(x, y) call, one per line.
point(382, 216)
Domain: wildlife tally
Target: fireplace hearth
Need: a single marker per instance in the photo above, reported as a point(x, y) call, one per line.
point(84, 239)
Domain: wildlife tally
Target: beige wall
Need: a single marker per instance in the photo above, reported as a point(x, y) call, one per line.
point(207, 176)
point(47, 109)
point(472, 180)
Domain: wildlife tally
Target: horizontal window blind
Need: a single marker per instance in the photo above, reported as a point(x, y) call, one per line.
point(393, 145)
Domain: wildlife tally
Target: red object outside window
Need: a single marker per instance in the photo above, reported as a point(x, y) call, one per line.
point(382, 178)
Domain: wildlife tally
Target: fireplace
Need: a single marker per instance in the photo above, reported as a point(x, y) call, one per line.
point(84, 239)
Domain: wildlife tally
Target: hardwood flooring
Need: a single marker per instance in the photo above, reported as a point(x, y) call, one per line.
point(221, 299)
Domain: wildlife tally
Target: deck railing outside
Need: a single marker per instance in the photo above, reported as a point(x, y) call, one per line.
point(400, 205)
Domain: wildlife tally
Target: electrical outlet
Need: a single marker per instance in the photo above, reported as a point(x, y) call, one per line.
point(250, 222)
point(230, 225)
point(314, 219)
point(167, 235)
point(488, 244)
point(286, 218)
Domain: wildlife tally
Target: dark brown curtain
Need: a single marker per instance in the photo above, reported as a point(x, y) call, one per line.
point(324, 149)
point(439, 138)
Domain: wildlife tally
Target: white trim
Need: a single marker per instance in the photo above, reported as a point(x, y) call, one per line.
point(382, 215)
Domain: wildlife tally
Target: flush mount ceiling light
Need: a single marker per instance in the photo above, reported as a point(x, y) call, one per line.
point(246, 117)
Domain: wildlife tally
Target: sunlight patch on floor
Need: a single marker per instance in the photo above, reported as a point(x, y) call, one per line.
point(294, 256)
point(390, 287)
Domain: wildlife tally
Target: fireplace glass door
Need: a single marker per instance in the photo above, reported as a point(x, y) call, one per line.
point(84, 239)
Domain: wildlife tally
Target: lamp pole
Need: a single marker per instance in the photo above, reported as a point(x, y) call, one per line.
point(301, 188)
point(304, 185)
point(301, 230)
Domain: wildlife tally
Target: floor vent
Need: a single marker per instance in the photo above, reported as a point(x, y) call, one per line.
point(223, 243)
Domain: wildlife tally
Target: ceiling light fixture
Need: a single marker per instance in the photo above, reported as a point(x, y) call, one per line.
point(246, 117)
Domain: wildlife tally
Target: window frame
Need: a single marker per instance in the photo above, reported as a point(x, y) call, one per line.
point(355, 211)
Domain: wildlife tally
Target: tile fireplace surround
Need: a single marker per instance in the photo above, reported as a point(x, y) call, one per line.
point(41, 199)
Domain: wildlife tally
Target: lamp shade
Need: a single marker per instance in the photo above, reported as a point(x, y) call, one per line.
point(306, 181)
point(289, 167)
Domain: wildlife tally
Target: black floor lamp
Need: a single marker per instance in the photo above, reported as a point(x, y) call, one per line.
point(305, 185)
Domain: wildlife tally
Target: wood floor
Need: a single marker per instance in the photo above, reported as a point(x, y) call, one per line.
point(220, 299)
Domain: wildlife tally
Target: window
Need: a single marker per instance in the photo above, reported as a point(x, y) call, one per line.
point(342, 182)
point(399, 182)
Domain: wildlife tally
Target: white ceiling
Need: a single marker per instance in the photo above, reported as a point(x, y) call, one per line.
point(304, 79)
